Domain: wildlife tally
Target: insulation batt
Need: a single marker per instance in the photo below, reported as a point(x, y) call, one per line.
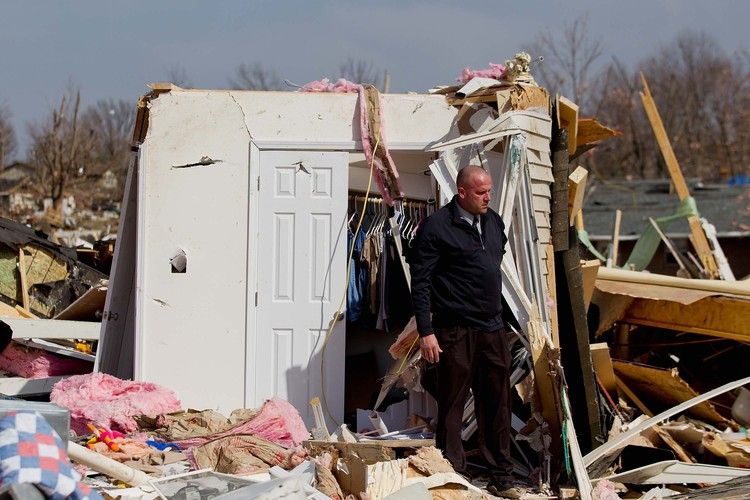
point(110, 402)
point(496, 71)
point(341, 85)
point(28, 362)
point(278, 422)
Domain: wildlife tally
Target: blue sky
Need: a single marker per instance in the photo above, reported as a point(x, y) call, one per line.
point(112, 49)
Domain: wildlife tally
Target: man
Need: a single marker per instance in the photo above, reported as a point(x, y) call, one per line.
point(456, 293)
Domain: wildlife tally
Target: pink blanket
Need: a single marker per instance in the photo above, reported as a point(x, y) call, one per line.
point(278, 422)
point(29, 362)
point(110, 402)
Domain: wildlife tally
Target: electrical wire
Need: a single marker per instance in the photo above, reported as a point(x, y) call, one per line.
point(337, 314)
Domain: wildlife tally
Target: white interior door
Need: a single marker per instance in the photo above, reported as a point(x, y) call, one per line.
point(302, 243)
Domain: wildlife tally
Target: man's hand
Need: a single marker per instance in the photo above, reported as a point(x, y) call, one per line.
point(430, 348)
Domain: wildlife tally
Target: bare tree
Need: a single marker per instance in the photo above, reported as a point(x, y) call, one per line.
point(255, 77)
point(61, 149)
point(110, 122)
point(569, 59)
point(703, 97)
point(178, 75)
point(360, 71)
point(8, 142)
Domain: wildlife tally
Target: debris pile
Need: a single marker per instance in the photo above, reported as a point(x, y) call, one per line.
point(627, 383)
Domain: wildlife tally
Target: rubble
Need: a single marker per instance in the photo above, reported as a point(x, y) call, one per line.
point(614, 365)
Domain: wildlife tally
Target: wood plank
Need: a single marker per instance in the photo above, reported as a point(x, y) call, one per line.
point(567, 117)
point(621, 439)
point(603, 367)
point(23, 281)
point(590, 270)
point(616, 236)
point(9, 311)
point(520, 97)
point(576, 189)
point(590, 130)
point(25, 313)
point(543, 356)
point(666, 387)
point(724, 317)
point(549, 258)
point(53, 329)
point(700, 240)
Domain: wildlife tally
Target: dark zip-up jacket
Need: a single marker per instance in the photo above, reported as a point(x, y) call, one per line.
point(455, 271)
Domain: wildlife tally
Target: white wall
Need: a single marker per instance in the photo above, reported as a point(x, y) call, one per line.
point(191, 328)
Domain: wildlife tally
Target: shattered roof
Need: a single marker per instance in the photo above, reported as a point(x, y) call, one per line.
point(726, 207)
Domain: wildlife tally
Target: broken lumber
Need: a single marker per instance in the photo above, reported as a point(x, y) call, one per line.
point(576, 188)
point(625, 436)
point(699, 239)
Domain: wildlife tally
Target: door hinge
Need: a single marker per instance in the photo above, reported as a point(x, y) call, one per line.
point(256, 299)
point(258, 183)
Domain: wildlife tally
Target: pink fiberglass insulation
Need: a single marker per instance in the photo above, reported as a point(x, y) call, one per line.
point(278, 422)
point(29, 362)
point(110, 402)
point(381, 161)
point(341, 86)
point(496, 71)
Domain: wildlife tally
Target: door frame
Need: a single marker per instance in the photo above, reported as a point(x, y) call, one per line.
point(255, 148)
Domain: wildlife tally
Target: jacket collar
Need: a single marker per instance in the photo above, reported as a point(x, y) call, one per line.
point(456, 214)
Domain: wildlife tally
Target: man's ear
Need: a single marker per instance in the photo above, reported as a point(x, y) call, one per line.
point(461, 192)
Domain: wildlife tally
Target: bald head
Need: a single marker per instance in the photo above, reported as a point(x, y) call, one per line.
point(474, 186)
point(465, 174)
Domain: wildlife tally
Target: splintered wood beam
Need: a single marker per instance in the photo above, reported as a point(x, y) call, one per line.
point(576, 188)
point(699, 238)
point(567, 118)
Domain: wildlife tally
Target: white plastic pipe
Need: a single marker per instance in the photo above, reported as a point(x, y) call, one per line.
point(106, 465)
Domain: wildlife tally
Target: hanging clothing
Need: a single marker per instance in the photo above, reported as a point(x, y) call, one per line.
point(356, 296)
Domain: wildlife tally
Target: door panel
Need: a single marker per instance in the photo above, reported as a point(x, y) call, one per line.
point(301, 258)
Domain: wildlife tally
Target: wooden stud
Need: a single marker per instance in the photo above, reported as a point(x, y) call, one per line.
point(552, 290)
point(698, 235)
point(567, 118)
point(23, 282)
point(576, 188)
point(603, 367)
point(616, 237)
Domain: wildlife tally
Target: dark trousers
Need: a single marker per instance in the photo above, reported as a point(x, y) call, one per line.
point(479, 360)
